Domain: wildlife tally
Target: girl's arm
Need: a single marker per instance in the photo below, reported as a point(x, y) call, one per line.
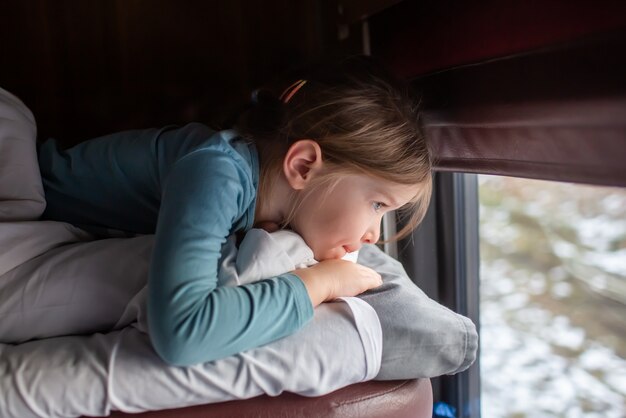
point(332, 279)
point(191, 320)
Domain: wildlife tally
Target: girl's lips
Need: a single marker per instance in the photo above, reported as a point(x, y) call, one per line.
point(349, 249)
point(338, 252)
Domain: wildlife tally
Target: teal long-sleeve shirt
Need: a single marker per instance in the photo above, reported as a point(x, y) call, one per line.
point(191, 187)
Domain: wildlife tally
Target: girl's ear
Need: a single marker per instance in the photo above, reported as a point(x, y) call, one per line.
point(302, 162)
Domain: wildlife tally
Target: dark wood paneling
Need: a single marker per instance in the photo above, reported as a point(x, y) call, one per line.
point(417, 37)
point(87, 68)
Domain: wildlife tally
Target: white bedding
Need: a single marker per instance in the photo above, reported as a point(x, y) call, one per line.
point(77, 286)
point(73, 376)
point(21, 191)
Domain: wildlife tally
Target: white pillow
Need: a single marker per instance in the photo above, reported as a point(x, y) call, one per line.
point(81, 285)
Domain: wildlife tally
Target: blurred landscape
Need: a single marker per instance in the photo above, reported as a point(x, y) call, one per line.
point(553, 299)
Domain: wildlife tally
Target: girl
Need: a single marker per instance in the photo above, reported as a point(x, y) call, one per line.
point(327, 158)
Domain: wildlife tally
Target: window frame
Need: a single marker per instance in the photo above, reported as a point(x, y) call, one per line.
point(442, 258)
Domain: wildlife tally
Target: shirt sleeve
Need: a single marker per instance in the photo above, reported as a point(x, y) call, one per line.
point(191, 319)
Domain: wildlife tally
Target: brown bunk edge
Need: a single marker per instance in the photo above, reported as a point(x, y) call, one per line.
point(374, 399)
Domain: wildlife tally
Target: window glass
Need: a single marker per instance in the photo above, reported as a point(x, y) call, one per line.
point(552, 299)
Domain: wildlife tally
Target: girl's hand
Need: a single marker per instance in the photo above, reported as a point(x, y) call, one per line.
point(331, 279)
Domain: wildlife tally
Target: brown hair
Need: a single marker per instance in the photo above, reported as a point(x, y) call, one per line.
point(364, 120)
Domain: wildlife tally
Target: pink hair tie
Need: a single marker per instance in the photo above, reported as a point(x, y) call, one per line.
point(291, 90)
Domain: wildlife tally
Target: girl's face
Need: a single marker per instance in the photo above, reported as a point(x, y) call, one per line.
point(339, 221)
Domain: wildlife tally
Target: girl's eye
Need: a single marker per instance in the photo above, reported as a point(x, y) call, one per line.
point(378, 206)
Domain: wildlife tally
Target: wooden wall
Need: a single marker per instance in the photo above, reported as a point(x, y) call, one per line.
point(90, 67)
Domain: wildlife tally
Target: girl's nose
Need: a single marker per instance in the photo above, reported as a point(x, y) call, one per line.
point(372, 235)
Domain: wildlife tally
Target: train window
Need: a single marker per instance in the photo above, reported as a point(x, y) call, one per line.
point(552, 299)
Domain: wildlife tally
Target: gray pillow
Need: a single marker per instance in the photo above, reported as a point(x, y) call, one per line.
point(421, 338)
